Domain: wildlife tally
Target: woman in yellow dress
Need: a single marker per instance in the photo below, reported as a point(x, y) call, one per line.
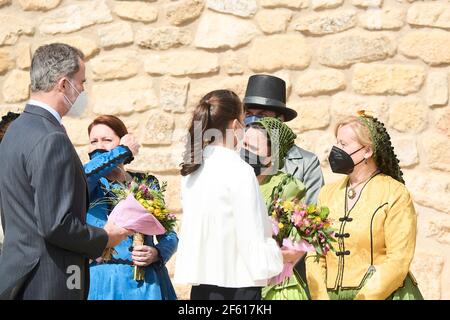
point(374, 216)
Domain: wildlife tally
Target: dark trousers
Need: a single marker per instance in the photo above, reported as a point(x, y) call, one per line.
point(209, 292)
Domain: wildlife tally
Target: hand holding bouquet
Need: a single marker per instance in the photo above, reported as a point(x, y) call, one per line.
point(299, 227)
point(140, 206)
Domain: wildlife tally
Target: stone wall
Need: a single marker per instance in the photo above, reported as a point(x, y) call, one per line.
point(150, 61)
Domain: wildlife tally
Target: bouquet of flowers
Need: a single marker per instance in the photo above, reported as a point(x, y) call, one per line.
point(300, 227)
point(139, 206)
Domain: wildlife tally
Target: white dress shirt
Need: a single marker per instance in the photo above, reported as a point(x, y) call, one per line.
point(225, 237)
point(46, 107)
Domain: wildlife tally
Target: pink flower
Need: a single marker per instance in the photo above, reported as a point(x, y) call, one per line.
point(297, 219)
point(143, 188)
point(172, 216)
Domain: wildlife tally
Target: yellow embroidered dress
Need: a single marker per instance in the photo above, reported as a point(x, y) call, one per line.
point(376, 242)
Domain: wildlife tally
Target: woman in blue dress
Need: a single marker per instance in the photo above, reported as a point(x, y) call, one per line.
point(110, 148)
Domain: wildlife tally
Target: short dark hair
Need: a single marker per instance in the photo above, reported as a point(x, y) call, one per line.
point(112, 122)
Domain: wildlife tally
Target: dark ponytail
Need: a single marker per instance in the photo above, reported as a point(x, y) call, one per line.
point(214, 111)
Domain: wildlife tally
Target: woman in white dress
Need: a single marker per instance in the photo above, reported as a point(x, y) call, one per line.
point(226, 250)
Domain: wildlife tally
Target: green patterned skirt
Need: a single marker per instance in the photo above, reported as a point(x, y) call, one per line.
point(291, 289)
point(409, 291)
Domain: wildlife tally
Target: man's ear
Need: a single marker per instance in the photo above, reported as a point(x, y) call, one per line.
point(61, 84)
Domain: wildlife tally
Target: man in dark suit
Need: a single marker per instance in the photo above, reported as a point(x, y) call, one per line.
point(4, 124)
point(43, 193)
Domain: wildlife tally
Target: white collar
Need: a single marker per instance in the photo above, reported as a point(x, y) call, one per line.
point(46, 107)
point(211, 148)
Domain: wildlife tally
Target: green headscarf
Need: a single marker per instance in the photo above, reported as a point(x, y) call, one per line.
point(281, 137)
point(383, 153)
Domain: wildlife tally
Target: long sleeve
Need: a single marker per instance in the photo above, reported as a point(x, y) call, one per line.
point(104, 163)
point(259, 250)
point(167, 246)
point(316, 272)
point(400, 239)
point(313, 180)
point(168, 242)
point(53, 171)
point(305, 166)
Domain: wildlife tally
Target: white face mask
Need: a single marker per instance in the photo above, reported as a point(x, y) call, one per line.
point(77, 107)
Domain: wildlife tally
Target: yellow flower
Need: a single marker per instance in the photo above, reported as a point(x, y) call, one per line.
point(274, 213)
point(280, 225)
point(288, 205)
point(157, 203)
point(317, 220)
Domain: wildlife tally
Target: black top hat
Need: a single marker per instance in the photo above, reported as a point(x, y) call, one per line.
point(268, 92)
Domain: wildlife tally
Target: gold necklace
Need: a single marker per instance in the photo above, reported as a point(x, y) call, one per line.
point(351, 193)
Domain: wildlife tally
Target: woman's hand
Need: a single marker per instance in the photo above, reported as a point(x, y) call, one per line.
point(143, 256)
point(131, 142)
point(292, 256)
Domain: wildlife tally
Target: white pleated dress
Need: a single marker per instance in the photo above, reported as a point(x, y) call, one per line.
point(225, 237)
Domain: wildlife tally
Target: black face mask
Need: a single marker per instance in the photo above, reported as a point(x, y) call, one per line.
point(341, 161)
point(96, 152)
point(253, 160)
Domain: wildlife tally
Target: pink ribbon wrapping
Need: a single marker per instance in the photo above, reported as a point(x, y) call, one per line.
point(131, 215)
point(288, 267)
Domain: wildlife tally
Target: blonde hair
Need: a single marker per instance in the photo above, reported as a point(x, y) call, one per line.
point(370, 132)
point(360, 129)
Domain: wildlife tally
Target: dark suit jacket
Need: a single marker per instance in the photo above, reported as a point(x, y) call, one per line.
point(43, 202)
